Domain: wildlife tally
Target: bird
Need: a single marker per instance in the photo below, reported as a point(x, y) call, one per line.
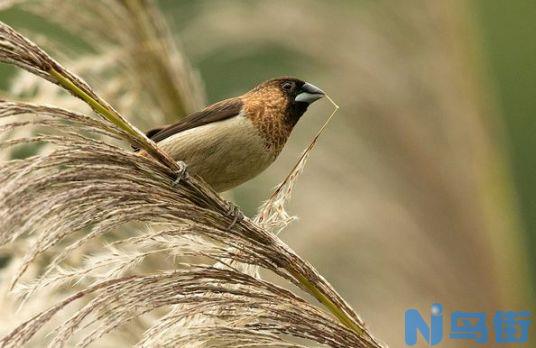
point(232, 141)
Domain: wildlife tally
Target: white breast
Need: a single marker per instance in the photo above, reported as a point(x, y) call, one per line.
point(225, 153)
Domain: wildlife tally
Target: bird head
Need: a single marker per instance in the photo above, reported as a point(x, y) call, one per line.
point(292, 94)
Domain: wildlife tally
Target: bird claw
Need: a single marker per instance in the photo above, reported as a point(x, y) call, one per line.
point(180, 173)
point(236, 214)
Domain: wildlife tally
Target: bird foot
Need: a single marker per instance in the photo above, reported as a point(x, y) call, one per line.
point(180, 173)
point(236, 214)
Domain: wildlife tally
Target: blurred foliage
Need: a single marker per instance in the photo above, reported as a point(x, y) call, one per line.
point(509, 29)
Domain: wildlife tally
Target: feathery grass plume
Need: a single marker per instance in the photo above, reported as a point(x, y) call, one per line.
point(120, 42)
point(88, 184)
point(106, 186)
point(252, 304)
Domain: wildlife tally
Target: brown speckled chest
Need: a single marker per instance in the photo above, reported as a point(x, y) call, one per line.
point(267, 112)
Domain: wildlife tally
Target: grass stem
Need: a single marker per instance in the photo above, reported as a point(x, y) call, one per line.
point(112, 116)
point(339, 313)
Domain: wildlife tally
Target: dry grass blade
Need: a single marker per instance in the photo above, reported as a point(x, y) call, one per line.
point(17, 50)
point(272, 214)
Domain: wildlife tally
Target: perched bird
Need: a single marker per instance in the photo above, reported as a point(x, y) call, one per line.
point(232, 141)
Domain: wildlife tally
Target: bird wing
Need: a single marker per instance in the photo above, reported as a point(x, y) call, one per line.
point(216, 112)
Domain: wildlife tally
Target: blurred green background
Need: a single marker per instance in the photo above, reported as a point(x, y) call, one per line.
point(423, 189)
point(508, 29)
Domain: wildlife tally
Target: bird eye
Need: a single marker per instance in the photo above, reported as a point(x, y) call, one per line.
point(287, 86)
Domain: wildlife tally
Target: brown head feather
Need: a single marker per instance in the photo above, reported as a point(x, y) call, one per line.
point(273, 110)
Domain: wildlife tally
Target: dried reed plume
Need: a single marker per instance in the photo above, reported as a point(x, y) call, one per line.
point(90, 184)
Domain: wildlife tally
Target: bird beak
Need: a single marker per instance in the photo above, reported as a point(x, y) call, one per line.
point(309, 94)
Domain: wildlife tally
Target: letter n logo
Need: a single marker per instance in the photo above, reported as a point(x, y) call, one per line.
point(432, 334)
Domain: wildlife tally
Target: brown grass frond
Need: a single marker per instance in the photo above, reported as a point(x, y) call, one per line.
point(86, 184)
point(242, 302)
